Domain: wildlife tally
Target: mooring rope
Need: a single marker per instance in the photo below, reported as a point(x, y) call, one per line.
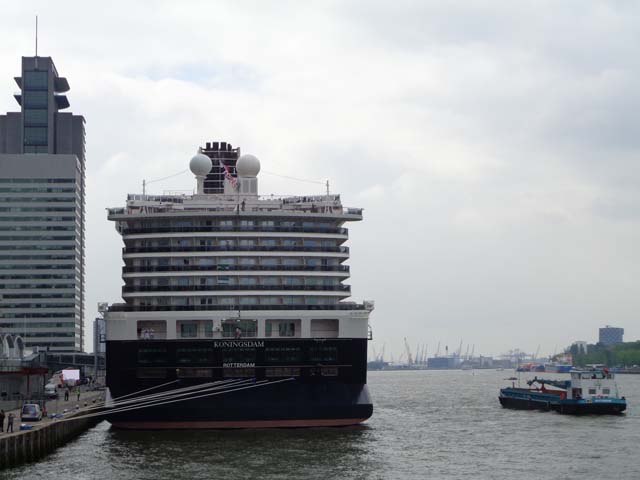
point(261, 383)
point(155, 395)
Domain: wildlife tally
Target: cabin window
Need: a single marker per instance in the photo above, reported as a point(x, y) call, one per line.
point(329, 371)
point(239, 328)
point(188, 330)
point(592, 391)
point(151, 373)
point(152, 355)
point(286, 329)
point(239, 355)
point(202, 355)
point(282, 372)
point(282, 354)
point(606, 391)
point(323, 353)
point(194, 372)
point(238, 372)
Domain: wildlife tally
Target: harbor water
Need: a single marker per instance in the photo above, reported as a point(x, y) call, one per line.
point(426, 424)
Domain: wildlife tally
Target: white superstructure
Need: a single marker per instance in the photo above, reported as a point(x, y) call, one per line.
point(235, 265)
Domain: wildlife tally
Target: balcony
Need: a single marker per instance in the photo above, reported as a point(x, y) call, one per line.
point(122, 307)
point(169, 249)
point(231, 229)
point(232, 268)
point(214, 288)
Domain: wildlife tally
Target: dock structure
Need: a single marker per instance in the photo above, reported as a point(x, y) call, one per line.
point(23, 446)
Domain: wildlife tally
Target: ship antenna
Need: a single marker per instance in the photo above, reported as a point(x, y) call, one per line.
point(36, 36)
point(327, 187)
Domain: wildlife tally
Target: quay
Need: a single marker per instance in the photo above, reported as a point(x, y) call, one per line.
point(23, 446)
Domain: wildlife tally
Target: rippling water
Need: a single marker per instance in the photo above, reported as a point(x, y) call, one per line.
point(425, 425)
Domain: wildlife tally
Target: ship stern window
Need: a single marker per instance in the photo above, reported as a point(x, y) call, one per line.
point(153, 355)
point(194, 372)
point(188, 329)
point(283, 354)
point(194, 355)
point(152, 329)
point(239, 328)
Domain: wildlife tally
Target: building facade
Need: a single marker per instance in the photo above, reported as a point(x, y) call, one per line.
point(42, 206)
point(611, 335)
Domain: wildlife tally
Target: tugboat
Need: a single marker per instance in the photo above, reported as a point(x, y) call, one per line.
point(587, 392)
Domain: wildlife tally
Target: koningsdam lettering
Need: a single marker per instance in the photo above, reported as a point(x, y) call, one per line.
point(238, 344)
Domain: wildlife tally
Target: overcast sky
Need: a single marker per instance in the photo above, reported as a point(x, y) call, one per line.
point(492, 144)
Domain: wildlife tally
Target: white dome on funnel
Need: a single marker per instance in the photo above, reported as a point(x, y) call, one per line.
point(248, 166)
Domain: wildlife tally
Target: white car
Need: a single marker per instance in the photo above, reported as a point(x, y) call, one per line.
point(31, 412)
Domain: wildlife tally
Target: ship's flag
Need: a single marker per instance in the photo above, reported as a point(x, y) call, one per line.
point(228, 176)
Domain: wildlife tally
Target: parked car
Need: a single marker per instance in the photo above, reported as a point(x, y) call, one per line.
point(51, 390)
point(31, 412)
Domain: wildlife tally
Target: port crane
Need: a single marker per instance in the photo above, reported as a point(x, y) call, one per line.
point(408, 351)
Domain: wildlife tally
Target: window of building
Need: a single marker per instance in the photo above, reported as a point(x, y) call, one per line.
point(35, 135)
point(36, 149)
point(36, 117)
point(36, 80)
point(269, 262)
point(35, 99)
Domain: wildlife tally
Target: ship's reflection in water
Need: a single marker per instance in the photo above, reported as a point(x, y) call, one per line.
point(269, 453)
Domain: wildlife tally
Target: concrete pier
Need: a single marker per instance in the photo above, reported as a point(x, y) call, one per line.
point(24, 446)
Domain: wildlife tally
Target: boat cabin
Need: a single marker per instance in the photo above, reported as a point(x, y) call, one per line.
point(589, 385)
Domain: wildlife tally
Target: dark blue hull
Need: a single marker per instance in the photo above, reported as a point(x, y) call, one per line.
point(306, 382)
point(288, 404)
point(523, 399)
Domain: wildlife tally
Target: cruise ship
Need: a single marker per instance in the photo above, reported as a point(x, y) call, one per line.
point(238, 300)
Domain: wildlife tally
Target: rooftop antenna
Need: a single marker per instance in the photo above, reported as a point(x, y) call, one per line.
point(36, 41)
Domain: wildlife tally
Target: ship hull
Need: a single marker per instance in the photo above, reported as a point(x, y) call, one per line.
point(522, 400)
point(306, 399)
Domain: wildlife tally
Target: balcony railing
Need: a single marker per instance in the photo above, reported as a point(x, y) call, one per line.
point(231, 308)
point(231, 268)
point(213, 288)
point(206, 248)
point(215, 228)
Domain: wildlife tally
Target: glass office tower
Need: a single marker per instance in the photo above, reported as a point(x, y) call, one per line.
point(42, 206)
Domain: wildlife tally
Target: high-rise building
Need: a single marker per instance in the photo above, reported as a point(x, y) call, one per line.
point(611, 335)
point(42, 238)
